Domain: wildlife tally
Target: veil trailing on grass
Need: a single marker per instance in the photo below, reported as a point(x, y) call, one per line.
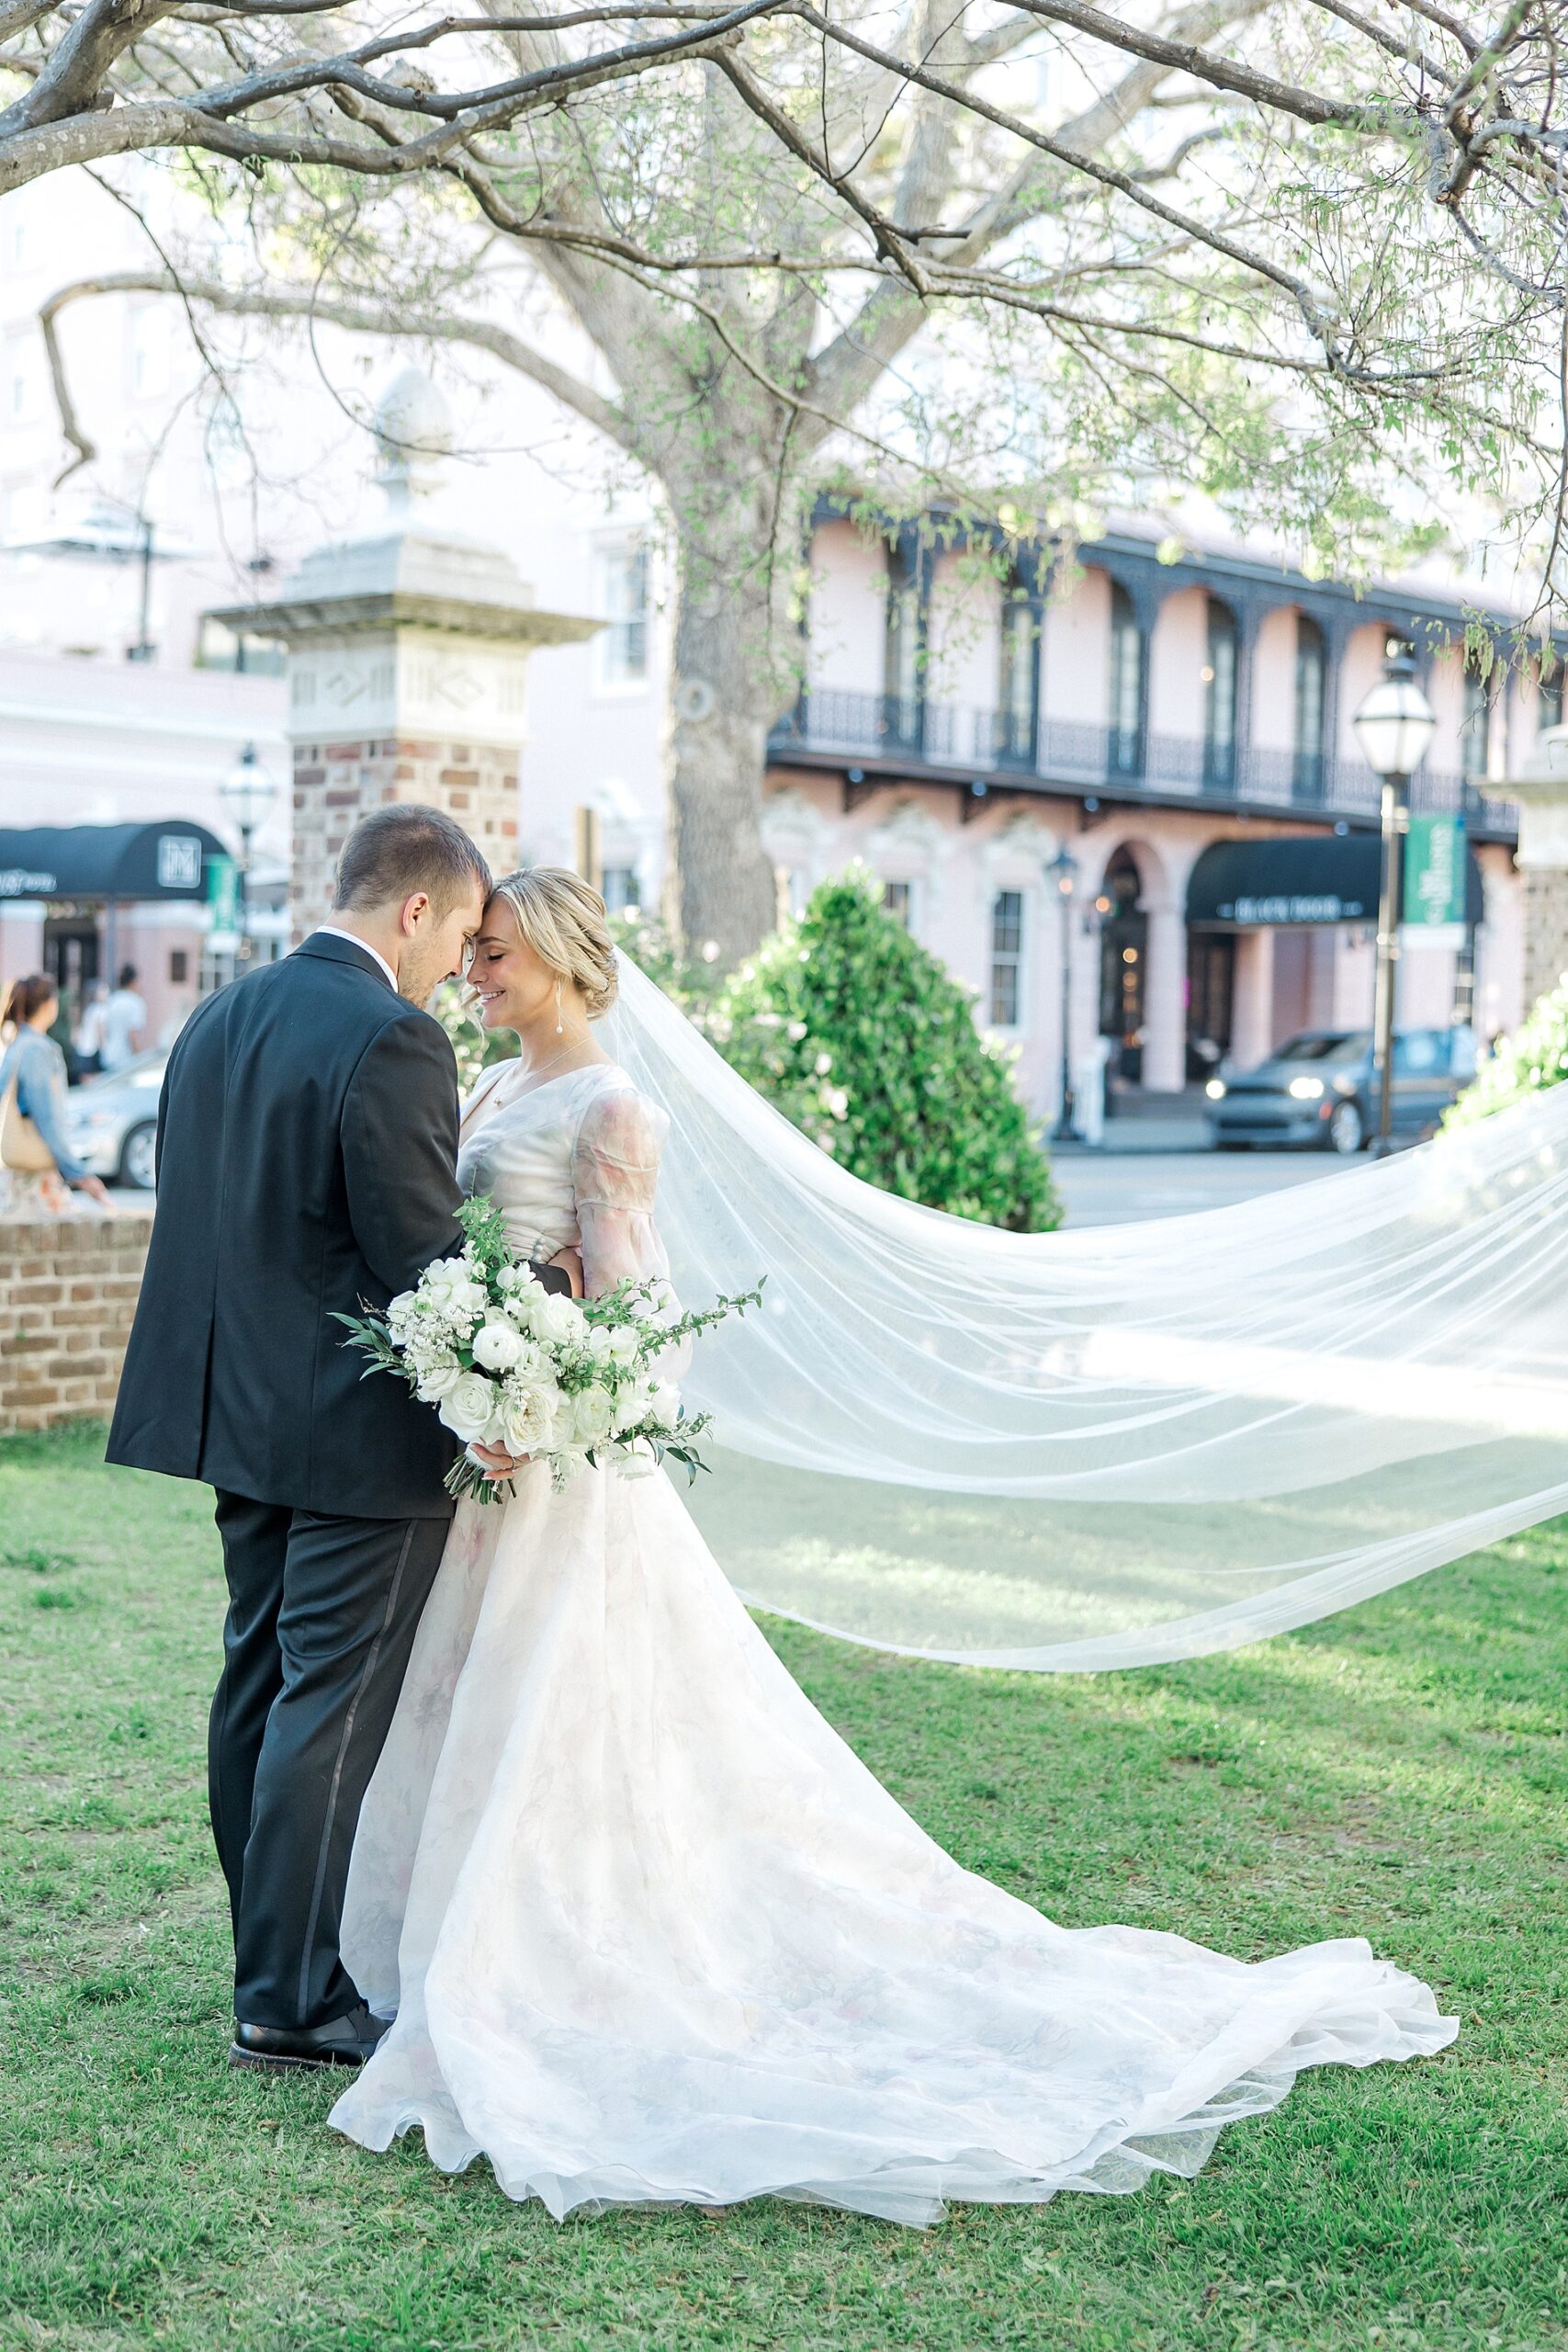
point(1111, 1448)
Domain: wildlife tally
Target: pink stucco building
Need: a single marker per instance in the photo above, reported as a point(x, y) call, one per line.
point(958, 730)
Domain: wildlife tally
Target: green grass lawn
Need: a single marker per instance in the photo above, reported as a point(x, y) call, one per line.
point(1399, 1771)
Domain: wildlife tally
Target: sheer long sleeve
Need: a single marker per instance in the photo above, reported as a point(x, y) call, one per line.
point(614, 1174)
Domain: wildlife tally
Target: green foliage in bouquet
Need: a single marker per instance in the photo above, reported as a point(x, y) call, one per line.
point(1536, 1056)
point(863, 1038)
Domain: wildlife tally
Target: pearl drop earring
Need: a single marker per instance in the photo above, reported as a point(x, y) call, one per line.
point(560, 1026)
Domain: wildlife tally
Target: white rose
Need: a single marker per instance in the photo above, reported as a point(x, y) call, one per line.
point(468, 1408)
point(527, 1418)
point(497, 1346)
point(631, 1407)
point(438, 1379)
point(593, 1415)
point(555, 1319)
point(664, 1405)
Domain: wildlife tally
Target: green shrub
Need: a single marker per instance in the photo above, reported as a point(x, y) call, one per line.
point(860, 1036)
point(1536, 1056)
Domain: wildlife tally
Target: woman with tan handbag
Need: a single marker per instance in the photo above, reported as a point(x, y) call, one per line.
point(33, 1148)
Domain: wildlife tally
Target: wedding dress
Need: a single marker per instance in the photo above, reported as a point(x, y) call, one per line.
point(651, 1933)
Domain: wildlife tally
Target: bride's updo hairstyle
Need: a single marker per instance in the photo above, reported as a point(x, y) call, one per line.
point(563, 919)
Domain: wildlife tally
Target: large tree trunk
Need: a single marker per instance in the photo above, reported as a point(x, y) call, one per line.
point(727, 686)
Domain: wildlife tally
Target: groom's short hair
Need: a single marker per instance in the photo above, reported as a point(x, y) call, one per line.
point(400, 849)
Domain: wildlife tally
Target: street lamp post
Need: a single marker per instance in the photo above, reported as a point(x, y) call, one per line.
point(247, 792)
point(1393, 727)
point(1063, 872)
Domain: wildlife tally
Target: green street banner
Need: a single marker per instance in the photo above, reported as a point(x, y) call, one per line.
point(223, 904)
point(1434, 882)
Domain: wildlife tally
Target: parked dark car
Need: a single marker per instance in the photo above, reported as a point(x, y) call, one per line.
point(1319, 1089)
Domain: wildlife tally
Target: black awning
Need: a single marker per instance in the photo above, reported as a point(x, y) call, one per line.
point(163, 861)
point(1307, 879)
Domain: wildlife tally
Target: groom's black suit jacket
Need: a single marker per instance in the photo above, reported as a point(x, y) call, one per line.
point(307, 1151)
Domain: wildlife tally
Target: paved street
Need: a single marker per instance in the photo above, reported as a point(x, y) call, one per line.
point(1116, 1188)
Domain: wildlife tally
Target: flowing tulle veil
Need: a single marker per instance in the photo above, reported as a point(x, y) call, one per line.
point(1107, 1448)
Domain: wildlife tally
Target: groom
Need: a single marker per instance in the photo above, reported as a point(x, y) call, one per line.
point(307, 1159)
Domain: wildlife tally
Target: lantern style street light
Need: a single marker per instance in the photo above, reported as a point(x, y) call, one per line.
point(247, 792)
point(1063, 873)
point(1394, 727)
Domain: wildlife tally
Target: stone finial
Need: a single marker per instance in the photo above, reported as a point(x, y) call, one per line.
point(414, 433)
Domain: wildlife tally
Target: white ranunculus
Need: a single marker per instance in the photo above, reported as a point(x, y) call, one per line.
point(593, 1415)
point(468, 1408)
point(636, 1461)
point(497, 1346)
point(664, 1405)
point(526, 1419)
point(437, 1381)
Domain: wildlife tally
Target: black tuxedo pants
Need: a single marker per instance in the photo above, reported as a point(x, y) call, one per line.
point(322, 1613)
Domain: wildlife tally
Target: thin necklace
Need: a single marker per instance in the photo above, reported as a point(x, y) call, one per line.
point(538, 1070)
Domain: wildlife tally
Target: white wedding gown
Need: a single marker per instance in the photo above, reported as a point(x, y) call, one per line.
point(652, 1934)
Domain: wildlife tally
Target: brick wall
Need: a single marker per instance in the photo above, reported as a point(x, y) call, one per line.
point(335, 784)
point(68, 1288)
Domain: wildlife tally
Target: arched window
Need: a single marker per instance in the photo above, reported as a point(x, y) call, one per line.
point(1018, 673)
point(1219, 699)
point(1312, 682)
point(1125, 753)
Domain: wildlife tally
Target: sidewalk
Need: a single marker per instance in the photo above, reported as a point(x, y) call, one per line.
point(1138, 1121)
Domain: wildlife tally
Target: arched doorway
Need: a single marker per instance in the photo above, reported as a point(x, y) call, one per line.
point(1124, 966)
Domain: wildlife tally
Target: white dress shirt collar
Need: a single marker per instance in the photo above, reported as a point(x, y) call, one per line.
point(331, 930)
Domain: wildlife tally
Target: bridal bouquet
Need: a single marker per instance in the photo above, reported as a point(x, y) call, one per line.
point(507, 1362)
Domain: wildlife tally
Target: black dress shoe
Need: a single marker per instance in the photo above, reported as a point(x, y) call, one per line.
point(282, 2048)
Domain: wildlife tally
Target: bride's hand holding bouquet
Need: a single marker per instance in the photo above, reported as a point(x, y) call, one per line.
point(516, 1372)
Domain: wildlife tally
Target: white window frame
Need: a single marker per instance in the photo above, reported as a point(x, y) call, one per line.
point(912, 883)
point(1021, 960)
point(614, 561)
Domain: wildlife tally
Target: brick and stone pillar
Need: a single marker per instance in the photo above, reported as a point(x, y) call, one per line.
point(407, 653)
point(1540, 788)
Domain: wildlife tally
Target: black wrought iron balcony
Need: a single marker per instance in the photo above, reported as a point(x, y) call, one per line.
point(953, 743)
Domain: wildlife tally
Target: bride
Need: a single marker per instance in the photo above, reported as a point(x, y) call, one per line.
point(647, 1929)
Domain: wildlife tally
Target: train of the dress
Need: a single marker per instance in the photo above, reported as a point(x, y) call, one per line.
point(652, 1934)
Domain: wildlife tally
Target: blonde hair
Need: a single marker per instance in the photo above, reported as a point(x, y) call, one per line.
point(564, 922)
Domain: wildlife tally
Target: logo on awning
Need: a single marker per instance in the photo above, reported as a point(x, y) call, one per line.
point(179, 862)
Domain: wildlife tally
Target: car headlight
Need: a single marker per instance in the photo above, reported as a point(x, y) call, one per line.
point(1215, 1090)
point(1306, 1089)
point(93, 1122)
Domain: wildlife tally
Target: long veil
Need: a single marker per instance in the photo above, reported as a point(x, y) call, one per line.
point(1115, 1447)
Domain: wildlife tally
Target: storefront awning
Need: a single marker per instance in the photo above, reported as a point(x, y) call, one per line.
point(122, 862)
point(1306, 880)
